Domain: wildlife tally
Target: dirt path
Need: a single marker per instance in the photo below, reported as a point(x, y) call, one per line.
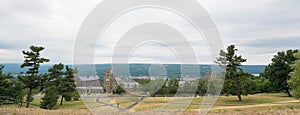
point(257, 105)
point(116, 105)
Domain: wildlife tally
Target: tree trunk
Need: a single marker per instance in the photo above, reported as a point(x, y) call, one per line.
point(28, 98)
point(61, 100)
point(238, 93)
point(288, 92)
point(240, 97)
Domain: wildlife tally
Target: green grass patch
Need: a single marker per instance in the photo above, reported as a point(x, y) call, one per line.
point(223, 101)
point(253, 99)
point(66, 104)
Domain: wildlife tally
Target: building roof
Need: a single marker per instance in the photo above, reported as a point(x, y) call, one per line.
point(89, 78)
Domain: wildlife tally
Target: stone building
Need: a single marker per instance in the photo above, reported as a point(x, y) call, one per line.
point(88, 85)
point(207, 76)
point(109, 82)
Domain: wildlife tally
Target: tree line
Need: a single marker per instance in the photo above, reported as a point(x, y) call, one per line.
point(168, 88)
point(59, 82)
point(282, 75)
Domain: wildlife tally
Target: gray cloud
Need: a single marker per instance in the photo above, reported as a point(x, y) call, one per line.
point(261, 50)
point(274, 42)
point(259, 28)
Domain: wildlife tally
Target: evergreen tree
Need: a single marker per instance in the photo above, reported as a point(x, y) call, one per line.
point(75, 95)
point(32, 61)
point(294, 82)
point(11, 89)
point(278, 71)
point(67, 86)
point(51, 86)
point(55, 80)
point(5, 82)
point(235, 79)
point(55, 75)
point(50, 98)
point(16, 90)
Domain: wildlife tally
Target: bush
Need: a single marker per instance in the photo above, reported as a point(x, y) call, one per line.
point(76, 95)
point(50, 99)
point(68, 97)
point(119, 90)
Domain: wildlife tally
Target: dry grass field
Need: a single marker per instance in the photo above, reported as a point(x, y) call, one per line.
point(37, 111)
point(259, 104)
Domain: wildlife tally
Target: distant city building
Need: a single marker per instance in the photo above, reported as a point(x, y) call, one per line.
point(209, 76)
point(130, 84)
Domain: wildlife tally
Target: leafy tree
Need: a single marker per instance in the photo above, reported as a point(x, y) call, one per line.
point(50, 98)
point(173, 85)
point(119, 90)
point(32, 61)
point(278, 71)
point(163, 90)
point(294, 82)
point(67, 97)
point(142, 81)
point(261, 84)
point(235, 79)
point(188, 88)
point(202, 87)
point(211, 87)
point(247, 85)
point(153, 86)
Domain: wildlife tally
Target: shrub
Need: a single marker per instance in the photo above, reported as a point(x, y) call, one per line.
point(50, 99)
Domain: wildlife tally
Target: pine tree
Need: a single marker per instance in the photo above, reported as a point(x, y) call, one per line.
point(54, 81)
point(235, 79)
point(31, 79)
point(75, 95)
point(67, 86)
point(50, 98)
point(55, 77)
point(10, 88)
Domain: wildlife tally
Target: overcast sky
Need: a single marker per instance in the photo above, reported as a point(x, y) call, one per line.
point(259, 29)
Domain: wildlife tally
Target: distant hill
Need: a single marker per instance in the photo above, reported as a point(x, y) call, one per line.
point(173, 70)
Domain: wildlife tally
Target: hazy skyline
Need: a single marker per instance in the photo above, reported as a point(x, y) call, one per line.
point(259, 28)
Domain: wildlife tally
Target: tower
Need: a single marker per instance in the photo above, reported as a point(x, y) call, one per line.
point(109, 81)
point(207, 76)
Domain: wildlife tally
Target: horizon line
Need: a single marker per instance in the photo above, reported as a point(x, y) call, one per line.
point(137, 63)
